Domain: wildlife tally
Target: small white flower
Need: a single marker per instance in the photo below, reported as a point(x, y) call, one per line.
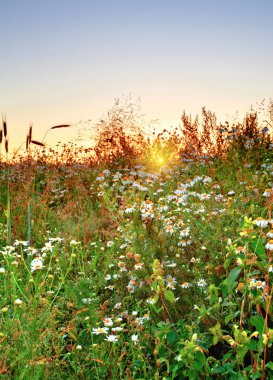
point(122, 266)
point(185, 285)
point(201, 283)
point(151, 301)
point(110, 287)
point(106, 172)
point(56, 239)
point(170, 281)
point(108, 322)
point(130, 288)
point(118, 328)
point(270, 234)
point(138, 266)
point(267, 193)
point(134, 338)
point(8, 250)
point(100, 330)
point(230, 193)
point(20, 242)
point(79, 347)
point(129, 210)
point(74, 242)
point(260, 284)
point(47, 247)
point(269, 245)
point(87, 301)
point(36, 264)
point(18, 302)
point(111, 338)
point(2, 270)
point(100, 177)
point(260, 222)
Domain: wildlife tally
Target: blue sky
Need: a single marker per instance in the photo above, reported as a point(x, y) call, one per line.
point(66, 60)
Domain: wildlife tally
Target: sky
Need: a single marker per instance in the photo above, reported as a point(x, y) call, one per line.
point(65, 61)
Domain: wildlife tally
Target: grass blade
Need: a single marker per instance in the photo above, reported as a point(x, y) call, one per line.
point(37, 143)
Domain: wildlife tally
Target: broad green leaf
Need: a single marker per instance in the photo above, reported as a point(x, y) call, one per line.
point(269, 365)
point(197, 365)
point(217, 333)
point(224, 289)
point(154, 285)
point(171, 337)
point(215, 339)
point(258, 322)
point(168, 294)
point(252, 344)
point(259, 249)
point(229, 317)
point(191, 374)
point(200, 357)
point(234, 274)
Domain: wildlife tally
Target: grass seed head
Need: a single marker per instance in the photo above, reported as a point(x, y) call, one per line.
point(5, 128)
point(6, 145)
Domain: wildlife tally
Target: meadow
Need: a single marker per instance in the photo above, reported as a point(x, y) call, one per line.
point(142, 258)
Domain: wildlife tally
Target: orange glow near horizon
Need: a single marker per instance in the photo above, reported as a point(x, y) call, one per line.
point(65, 61)
point(82, 130)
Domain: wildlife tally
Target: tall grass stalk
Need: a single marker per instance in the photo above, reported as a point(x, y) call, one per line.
point(9, 216)
point(29, 221)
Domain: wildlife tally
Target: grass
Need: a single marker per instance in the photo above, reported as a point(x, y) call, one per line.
point(143, 260)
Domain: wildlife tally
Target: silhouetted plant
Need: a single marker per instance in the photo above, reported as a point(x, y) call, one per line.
point(120, 133)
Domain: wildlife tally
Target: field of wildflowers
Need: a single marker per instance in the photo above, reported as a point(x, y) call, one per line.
point(143, 259)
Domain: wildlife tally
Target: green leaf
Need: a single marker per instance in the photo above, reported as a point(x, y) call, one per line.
point(155, 309)
point(197, 365)
point(200, 357)
point(215, 339)
point(269, 365)
point(258, 322)
point(191, 374)
point(154, 285)
point(259, 249)
point(252, 345)
point(234, 273)
point(229, 317)
point(169, 295)
point(224, 289)
point(217, 333)
point(171, 337)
